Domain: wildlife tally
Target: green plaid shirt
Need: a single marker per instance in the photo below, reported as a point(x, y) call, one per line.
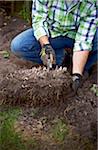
point(54, 18)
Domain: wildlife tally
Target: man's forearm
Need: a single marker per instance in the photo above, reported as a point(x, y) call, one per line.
point(79, 61)
point(44, 40)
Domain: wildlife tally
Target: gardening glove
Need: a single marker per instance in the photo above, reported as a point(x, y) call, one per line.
point(76, 82)
point(48, 56)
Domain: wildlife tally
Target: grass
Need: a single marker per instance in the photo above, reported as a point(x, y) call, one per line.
point(9, 139)
point(94, 89)
point(5, 54)
point(25, 13)
point(60, 133)
point(60, 130)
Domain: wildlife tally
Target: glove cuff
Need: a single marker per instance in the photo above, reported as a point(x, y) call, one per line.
point(45, 45)
point(76, 76)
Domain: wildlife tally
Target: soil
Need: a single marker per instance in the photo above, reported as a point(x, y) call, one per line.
point(79, 111)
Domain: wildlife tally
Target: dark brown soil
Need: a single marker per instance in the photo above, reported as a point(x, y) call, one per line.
point(22, 84)
point(37, 86)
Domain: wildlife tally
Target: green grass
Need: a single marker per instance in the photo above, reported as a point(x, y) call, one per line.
point(6, 54)
point(94, 89)
point(59, 133)
point(25, 14)
point(9, 138)
point(60, 130)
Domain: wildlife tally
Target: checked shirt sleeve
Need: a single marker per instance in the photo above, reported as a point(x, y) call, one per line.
point(39, 16)
point(86, 31)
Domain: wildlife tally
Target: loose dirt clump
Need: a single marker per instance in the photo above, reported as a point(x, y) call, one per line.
point(37, 86)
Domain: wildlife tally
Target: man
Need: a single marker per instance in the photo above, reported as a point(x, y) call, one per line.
point(60, 24)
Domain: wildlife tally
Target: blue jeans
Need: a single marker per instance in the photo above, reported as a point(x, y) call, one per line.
point(26, 46)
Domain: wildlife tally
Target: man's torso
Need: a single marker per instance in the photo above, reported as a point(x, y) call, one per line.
point(64, 16)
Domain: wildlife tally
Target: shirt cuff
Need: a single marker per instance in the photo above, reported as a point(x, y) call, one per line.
point(40, 32)
point(82, 46)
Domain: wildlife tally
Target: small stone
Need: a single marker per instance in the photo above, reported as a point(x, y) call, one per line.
point(39, 125)
point(65, 69)
point(43, 120)
point(85, 113)
point(5, 24)
point(23, 86)
point(26, 78)
point(50, 86)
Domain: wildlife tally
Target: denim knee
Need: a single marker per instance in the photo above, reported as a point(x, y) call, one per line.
point(15, 46)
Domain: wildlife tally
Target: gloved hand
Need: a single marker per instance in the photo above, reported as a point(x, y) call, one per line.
point(48, 56)
point(76, 82)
